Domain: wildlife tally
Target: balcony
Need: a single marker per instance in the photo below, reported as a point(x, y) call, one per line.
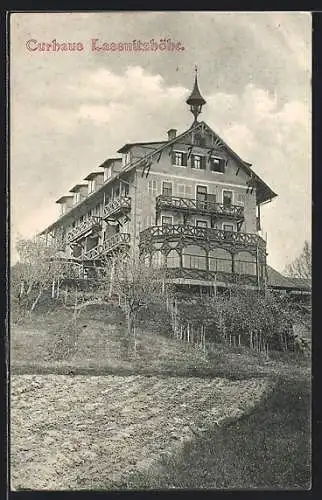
point(205, 207)
point(86, 227)
point(192, 234)
point(117, 207)
point(116, 241)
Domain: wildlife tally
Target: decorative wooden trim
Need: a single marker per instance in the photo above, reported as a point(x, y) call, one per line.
point(207, 207)
point(116, 241)
point(117, 206)
point(89, 225)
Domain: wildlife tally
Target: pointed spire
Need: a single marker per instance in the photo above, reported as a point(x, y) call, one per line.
point(196, 101)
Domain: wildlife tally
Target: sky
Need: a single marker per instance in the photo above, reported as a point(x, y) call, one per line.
point(69, 111)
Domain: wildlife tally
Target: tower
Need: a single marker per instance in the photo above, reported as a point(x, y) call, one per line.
point(196, 101)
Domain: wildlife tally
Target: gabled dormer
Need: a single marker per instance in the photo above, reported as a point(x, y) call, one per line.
point(95, 180)
point(65, 203)
point(111, 166)
point(80, 192)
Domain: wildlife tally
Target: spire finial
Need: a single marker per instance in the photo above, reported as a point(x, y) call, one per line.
point(196, 101)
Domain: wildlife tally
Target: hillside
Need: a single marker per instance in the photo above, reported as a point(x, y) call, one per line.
point(87, 414)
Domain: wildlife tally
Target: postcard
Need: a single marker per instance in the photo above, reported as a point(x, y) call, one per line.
point(160, 281)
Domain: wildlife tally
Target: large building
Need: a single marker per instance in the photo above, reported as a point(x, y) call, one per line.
point(188, 202)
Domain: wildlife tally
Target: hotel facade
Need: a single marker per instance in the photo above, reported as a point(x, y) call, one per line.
point(187, 202)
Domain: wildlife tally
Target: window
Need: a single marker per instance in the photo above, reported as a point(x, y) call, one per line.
point(117, 192)
point(77, 197)
point(228, 227)
point(173, 259)
point(107, 173)
point(125, 189)
point(217, 165)
point(201, 196)
point(167, 188)
point(179, 158)
point(245, 263)
point(152, 188)
point(198, 162)
point(91, 186)
point(166, 221)
point(62, 209)
point(201, 223)
point(194, 257)
point(126, 158)
point(227, 198)
point(220, 260)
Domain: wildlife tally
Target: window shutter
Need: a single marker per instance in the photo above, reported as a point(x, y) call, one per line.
point(184, 159)
point(192, 160)
point(173, 157)
point(222, 165)
point(203, 162)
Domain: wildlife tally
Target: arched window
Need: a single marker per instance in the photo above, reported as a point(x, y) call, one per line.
point(220, 260)
point(157, 259)
point(194, 257)
point(245, 263)
point(173, 259)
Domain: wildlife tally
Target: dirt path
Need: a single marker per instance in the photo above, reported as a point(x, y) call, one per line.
point(90, 432)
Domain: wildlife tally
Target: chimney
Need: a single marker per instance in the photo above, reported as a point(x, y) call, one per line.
point(172, 134)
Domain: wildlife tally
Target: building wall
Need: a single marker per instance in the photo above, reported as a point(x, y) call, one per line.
point(143, 191)
point(184, 182)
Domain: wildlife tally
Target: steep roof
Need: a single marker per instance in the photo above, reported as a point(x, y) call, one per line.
point(92, 175)
point(62, 199)
point(303, 283)
point(263, 191)
point(277, 280)
point(77, 187)
point(108, 162)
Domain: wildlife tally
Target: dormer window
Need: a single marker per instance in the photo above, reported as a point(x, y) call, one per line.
point(198, 162)
point(179, 159)
point(77, 197)
point(62, 209)
point(91, 186)
point(126, 158)
point(217, 165)
point(107, 173)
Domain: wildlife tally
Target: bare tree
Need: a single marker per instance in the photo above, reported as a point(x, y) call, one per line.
point(301, 267)
point(38, 269)
point(137, 285)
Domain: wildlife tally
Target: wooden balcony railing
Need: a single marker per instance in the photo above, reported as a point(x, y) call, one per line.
point(112, 243)
point(199, 206)
point(118, 206)
point(90, 224)
point(175, 232)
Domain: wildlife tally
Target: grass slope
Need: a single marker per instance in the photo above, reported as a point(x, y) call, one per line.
point(269, 448)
